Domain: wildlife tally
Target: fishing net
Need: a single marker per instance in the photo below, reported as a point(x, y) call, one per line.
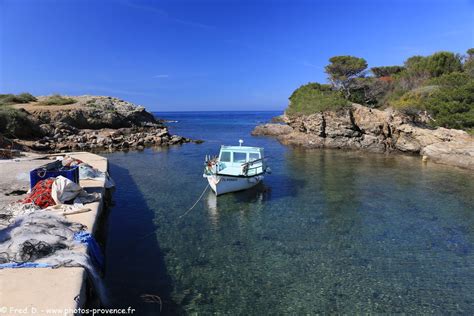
point(37, 235)
point(9, 212)
point(34, 237)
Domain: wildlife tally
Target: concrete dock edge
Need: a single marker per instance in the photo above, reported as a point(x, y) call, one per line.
point(40, 291)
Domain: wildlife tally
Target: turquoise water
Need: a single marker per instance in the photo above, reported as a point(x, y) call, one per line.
point(327, 232)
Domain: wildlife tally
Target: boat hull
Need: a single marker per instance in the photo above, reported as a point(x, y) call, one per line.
point(226, 184)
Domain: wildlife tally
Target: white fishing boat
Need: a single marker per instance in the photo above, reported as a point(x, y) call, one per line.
point(236, 168)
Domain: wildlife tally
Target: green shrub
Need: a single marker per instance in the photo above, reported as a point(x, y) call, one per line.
point(57, 99)
point(468, 65)
point(435, 65)
point(450, 101)
point(6, 99)
point(10, 120)
point(415, 99)
point(369, 91)
point(454, 79)
point(386, 71)
point(314, 98)
point(26, 97)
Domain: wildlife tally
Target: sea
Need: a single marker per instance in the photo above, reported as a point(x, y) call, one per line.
point(327, 232)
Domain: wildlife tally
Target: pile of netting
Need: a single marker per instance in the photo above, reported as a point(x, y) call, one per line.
point(34, 232)
point(40, 236)
point(31, 237)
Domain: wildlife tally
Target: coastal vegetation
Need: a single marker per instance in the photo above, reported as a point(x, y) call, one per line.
point(315, 97)
point(12, 120)
point(8, 99)
point(440, 86)
point(18, 123)
point(57, 99)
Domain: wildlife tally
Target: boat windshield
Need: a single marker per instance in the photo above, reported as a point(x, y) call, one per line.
point(225, 156)
point(240, 160)
point(254, 156)
point(239, 157)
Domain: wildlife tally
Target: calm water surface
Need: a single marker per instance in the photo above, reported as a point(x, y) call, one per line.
point(327, 232)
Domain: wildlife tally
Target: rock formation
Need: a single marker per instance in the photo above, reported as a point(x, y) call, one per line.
point(360, 127)
point(91, 123)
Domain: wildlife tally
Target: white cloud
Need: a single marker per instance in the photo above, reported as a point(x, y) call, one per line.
point(161, 76)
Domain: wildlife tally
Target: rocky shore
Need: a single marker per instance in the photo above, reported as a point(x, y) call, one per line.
point(91, 123)
point(363, 128)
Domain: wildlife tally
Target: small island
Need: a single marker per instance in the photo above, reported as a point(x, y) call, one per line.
point(424, 107)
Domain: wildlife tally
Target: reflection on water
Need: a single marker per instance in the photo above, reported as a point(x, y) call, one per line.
point(254, 196)
point(326, 232)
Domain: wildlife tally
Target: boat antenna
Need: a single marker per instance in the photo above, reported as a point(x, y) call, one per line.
point(241, 141)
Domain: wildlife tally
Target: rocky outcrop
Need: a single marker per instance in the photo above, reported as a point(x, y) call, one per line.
point(66, 138)
point(272, 129)
point(455, 153)
point(360, 127)
point(94, 112)
point(92, 123)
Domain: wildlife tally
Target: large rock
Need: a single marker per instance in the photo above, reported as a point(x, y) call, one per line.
point(272, 130)
point(374, 130)
point(455, 153)
point(339, 124)
point(95, 112)
point(371, 121)
point(90, 123)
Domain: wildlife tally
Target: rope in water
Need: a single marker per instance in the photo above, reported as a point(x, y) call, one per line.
point(189, 210)
point(195, 203)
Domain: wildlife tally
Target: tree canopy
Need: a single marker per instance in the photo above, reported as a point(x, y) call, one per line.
point(435, 65)
point(385, 71)
point(441, 84)
point(343, 69)
point(469, 63)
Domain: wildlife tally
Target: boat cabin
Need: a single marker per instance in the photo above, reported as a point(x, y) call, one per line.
point(241, 161)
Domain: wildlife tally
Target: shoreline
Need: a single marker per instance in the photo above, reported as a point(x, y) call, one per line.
point(372, 130)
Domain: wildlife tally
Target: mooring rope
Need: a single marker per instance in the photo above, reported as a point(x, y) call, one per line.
point(195, 203)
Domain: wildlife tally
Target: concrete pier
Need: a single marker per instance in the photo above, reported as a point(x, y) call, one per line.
point(40, 291)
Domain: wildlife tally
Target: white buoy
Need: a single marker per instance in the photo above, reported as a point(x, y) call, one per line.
point(241, 141)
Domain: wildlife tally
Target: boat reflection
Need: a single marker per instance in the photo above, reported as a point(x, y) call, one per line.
point(240, 201)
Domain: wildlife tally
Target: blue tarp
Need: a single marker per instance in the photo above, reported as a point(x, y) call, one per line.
point(15, 265)
point(94, 249)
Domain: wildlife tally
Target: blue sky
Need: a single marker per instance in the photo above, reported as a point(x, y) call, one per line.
point(211, 55)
